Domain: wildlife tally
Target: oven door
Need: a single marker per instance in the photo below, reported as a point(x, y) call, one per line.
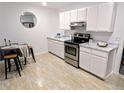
point(71, 51)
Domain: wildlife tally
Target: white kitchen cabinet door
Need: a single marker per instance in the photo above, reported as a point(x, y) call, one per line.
point(60, 50)
point(67, 20)
point(73, 14)
point(105, 15)
point(81, 14)
point(98, 66)
point(84, 61)
point(56, 47)
point(61, 20)
point(92, 18)
point(51, 46)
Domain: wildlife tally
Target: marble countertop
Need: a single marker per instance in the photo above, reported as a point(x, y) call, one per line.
point(94, 45)
point(62, 39)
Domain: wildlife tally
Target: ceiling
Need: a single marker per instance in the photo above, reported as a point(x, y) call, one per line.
point(66, 5)
point(61, 6)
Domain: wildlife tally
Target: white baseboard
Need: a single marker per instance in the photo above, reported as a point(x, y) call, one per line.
point(116, 73)
point(39, 53)
point(109, 74)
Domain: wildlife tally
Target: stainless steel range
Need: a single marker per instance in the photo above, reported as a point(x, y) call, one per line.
point(72, 48)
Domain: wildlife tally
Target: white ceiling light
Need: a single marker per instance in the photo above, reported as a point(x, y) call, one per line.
point(44, 3)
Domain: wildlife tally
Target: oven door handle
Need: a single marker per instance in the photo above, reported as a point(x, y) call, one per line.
point(70, 45)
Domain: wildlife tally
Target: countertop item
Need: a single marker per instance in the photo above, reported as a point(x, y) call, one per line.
point(62, 38)
point(102, 44)
point(94, 45)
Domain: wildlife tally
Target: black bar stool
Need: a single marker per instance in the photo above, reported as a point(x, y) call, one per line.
point(7, 58)
point(32, 52)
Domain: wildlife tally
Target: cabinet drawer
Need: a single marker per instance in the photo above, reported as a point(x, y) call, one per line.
point(88, 50)
point(60, 43)
point(56, 41)
point(100, 53)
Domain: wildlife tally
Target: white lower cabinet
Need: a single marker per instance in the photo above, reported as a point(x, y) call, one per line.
point(56, 47)
point(97, 64)
point(84, 61)
point(60, 50)
point(50, 45)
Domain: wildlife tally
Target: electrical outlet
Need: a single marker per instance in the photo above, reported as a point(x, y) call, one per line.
point(117, 38)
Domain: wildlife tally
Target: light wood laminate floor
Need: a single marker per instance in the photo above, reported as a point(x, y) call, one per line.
point(51, 72)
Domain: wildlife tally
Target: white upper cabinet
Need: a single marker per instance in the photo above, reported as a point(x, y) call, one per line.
point(81, 14)
point(61, 20)
point(67, 20)
point(78, 15)
point(67, 17)
point(101, 17)
point(92, 18)
point(64, 18)
point(105, 15)
point(73, 14)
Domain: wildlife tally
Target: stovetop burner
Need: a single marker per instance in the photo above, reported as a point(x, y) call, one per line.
point(79, 38)
point(74, 42)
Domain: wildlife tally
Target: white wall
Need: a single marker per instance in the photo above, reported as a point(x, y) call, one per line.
point(103, 36)
point(118, 32)
point(11, 28)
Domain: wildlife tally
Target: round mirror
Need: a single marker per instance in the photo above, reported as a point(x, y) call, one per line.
point(28, 19)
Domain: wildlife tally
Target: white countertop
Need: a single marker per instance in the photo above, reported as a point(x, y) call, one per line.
point(94, 45)
point(62, 39)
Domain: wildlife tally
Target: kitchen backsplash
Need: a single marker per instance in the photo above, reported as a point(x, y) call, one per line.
point(102, 36)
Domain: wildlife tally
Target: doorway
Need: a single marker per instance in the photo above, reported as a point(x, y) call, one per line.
point(121, 71)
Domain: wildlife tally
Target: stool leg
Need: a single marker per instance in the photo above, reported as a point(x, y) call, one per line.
point(19, 63)
point(9, 65)
point(17, 66)
point(25, 59)
point(32, 53)
point(5, 69)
